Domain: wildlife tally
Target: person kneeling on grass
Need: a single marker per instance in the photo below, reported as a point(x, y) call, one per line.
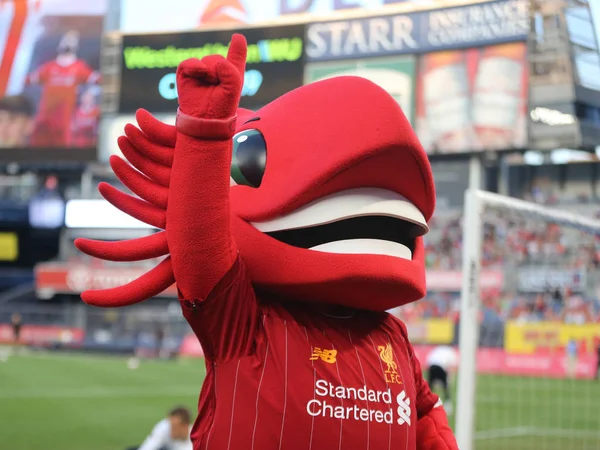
point(441, 363)
point(171, 433)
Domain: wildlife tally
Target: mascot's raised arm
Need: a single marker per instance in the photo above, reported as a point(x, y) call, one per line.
point(289, 232)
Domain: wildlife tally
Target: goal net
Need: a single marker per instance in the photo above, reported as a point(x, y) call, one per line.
point(529, 327)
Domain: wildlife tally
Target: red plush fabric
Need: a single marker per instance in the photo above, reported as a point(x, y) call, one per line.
point(434, 433)
point(199, 234)
point(344, 133)
point(323, 138)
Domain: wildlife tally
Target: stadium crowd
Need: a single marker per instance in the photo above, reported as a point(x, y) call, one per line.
point(512, 242)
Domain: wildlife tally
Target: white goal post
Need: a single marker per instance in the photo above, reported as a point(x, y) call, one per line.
point(476, 202)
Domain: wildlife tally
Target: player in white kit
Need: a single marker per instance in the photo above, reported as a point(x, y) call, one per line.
point(171, 433)
point(441, 362)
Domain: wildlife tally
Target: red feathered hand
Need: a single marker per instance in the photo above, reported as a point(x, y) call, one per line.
point(434, 433)
point(182, 181)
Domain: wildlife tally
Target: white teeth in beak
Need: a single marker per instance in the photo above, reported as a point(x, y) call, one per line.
point(366, 247)
point(346, 205)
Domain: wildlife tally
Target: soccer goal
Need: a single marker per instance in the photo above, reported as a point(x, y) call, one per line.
point(529, 337)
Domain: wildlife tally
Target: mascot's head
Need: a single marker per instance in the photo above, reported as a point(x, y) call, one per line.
point(331, 194)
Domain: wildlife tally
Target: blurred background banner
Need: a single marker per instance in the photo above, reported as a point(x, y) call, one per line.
point(473, 100)
point(492, 361)
point(451, 280)
point(550, 336)
point(419, 32)
point(49, 76)
point(139, 16)
point(543, 278)
point(44, 335)
point(62, 277)
point(438, 331)
point(470, 97)
point(275, 65)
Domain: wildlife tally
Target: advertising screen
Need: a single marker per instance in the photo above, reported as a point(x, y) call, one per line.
point(419, 32)
point(142, 16)
point(473, 100)
point(274, 66)
point(49, 78)
point(459, 73)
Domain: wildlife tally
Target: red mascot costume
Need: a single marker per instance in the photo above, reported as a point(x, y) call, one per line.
point(286, 252)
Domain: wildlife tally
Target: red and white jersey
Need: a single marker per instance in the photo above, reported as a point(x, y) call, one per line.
point(85, 127)
point(22, 26)
point(285, 376)
point(443, 356)
point(59, 88)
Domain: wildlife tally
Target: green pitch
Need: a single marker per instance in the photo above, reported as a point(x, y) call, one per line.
point(63, 402)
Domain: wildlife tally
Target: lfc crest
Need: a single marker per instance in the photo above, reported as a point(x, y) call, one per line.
point(386, 353)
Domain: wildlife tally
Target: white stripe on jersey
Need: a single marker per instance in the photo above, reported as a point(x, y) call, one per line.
point(285, 384)
point(258, 391)
point(312, 422)
point(215, 388)
point(365, 382)
point(237, 370)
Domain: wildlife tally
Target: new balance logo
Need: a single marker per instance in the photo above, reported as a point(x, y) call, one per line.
point(327, 356)
point(403, 408)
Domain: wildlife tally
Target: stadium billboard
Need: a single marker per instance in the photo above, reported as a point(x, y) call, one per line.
point(419, 32)
point(43, 335)
point(541, 279)
point(49, 79)
point(275, 65)
point(68, 277)
point(527, 338)
point(496, 361)
point(473, 100)
point(150, 16)
point(469, 63)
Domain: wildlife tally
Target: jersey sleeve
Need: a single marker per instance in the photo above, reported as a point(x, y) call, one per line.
point(226, 322)
point(83, 72)
point(426, 399)
point(40, 75)
point(158, 438)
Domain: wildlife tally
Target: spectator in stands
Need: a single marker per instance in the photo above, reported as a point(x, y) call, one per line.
point(571, 350)
point(171, 433)
point(159, 337)
point(597, 359)
point(557, 300)
point(17, 324)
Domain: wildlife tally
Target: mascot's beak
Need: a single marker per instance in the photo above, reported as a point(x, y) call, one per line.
point(358, 221)
point(346, 205)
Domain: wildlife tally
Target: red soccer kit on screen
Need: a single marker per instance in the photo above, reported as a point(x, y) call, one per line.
point(59, 98)
point(85, 127)
point(287, 377)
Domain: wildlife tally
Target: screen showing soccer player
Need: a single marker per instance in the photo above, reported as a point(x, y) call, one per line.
point(50, 77)
point(60, 79)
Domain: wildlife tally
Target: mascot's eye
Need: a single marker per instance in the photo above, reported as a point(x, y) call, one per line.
point(249, 158)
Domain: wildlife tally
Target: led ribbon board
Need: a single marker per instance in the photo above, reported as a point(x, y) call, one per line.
point(274, 65)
